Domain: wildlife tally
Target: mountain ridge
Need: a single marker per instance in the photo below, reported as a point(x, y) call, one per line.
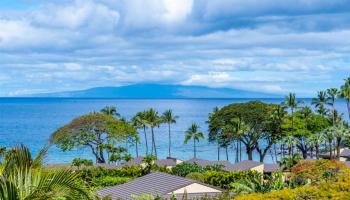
point(158, 91)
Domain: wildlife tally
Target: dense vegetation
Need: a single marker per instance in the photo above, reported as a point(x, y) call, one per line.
point(290, 132)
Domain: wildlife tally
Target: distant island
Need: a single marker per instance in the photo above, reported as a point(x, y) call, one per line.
point(158, 91)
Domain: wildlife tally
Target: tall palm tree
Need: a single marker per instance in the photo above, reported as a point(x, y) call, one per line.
point(320, 102)
point(141, 120)
point(153, 120)
point(23, 178)
point(345, 93)
point(110, 110)
point(194, 134)
point(332, 95)
point(138, 122)
point(292, 103)
point(169, 118)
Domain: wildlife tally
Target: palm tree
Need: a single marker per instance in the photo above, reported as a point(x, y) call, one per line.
point(340, 132)
point(193, 133)
point(22, 178)
point(140, 120)
point(292, 103)
point(110, 110)
point(153, 120)
point(315, 140)
point(288, 162)
point(332, 94)
point(169, 118)
point(329, 135)
point(290, 141)
point(320, 102)
point(137, 123)
point(345, 93)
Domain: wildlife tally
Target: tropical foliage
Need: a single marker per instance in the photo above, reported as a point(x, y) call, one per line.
point(23, 178)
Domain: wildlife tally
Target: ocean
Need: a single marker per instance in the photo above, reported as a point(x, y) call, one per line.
point(30, 121)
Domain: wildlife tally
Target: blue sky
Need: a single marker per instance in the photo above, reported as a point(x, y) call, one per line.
point(273, 46)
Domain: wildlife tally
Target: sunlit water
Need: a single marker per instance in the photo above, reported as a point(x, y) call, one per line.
point(30, 121)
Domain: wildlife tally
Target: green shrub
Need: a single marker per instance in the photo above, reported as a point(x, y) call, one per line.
point(78, 162)
point(93, 175)
point(224, 179)
point(109, 181)
point(184, 169)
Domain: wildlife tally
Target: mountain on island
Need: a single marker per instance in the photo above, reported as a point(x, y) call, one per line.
point(159, 91)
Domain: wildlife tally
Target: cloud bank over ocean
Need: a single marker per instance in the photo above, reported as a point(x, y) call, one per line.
point(270, 46)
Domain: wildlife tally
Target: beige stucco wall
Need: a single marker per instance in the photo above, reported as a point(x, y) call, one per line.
point(259, 168)
point(194, 188)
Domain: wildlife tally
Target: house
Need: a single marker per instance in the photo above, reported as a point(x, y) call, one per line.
point(240, 166)
point(162, 184)
point(206, 163)
point(347, 163)
point(271, 167)
point(169, 162)
point(245, 165)
point(344, 154)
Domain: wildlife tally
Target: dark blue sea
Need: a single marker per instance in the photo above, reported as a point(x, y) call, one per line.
point(30, 121)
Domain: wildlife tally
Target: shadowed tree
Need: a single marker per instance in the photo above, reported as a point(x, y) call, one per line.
point(169, 119)
point(193, 133)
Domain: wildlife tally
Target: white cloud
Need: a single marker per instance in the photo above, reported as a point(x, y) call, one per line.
point(74, 44)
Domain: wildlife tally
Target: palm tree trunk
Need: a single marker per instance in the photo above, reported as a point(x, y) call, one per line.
point(218, 151)
point(338, 147)
point(137, 148)
point(194, 148)
point(330, 149)
point(226, 152)
point(237, 152)
point(144, 131)
point(289, 150)
point(348, 105)
point(169, 140)
point(154, 143)
point(317, 151)
point(240, 151)
point(333, 112)
point(312, 151)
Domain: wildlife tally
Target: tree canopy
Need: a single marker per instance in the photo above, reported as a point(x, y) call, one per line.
point(94, 131)
point(249, 122)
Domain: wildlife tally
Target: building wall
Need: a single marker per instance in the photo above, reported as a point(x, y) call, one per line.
point(259, 168)
point(195, 188)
